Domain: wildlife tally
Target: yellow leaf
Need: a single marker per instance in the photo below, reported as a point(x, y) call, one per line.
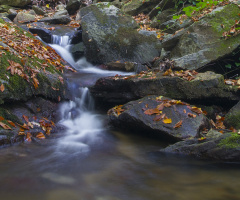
point(47, 5)
point(40, 135)
point(167, 121)
point(2, 88)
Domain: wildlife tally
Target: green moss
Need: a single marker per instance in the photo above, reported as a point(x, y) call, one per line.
point(232, 141)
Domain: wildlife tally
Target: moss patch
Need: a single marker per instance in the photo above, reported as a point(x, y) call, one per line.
point(233, 141)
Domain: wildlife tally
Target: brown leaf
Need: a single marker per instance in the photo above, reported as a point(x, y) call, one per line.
point(29, 137)
point(35, 82)
point(11, 123)
point(21, 133)
point(196, 110)
point(151, 111)
point(61, 79)
point(191, 115)
point(1, 118)
point(25, 118)
point(159, 117)
point(5, 126)
point(2, 88)
point(40, 135)
point(48, 130)
point(178, 125)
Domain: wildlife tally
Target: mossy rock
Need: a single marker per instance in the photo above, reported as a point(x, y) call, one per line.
point(110, 35)
point(202, 42)
point(17, 3)
point(232, 118)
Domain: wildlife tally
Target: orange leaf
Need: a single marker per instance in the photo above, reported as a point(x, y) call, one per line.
point(5, 126)
point(48, 131)
point(196, 110)
point(179, 124)
point(29, 137)
point(151, 111)
point(40, 135)
point(21, 133)
point(1, 118)
point(35, 82)
point(191, 115)
point(25, 118)
point(11, 123)
point(167, 121)
point(2, 88)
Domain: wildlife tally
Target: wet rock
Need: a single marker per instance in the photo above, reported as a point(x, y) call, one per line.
point(202, 42)
point(232, 118)
point(133, 116)
point(73, 6)
point(110, 35)
point(223, 147)
point(77, 50)
point(206, 86)
point(63, 19)
point(38, 10)
point(61, 13)
point(41, 31)
point(127, 66)
point(17, 3)
point(24, 17)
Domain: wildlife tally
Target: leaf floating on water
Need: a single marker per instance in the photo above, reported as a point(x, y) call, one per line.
point(5, 126)
point(167, 121)
point(2, 88)
point(178, 125)
point(40, 135)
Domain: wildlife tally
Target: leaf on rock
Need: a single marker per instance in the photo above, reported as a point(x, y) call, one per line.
point(35, 82)
point(178, 125)
point(167, 121)
point(40, 135)
point(5, 126)
point(191, 115)
point(152, 111)
point(21, 133)
point(159, 117)
point(202, 138)
point(11, 123)
point(28, 137)
point(25, 118)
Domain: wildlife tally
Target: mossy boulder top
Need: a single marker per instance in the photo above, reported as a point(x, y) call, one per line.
point(110, 35)
point(17, 3)
point(28, 68)
point(202, 42)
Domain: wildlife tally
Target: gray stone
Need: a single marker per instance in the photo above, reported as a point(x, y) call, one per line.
point(38, 10)
point(73, 6)
point(109, 35)
point(133, 117)
point(64, 19)
point(17, 3)
point(23, 17)
point(232, 118)
point(61, 13)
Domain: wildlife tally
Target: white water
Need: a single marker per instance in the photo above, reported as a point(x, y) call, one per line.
point(83, 126)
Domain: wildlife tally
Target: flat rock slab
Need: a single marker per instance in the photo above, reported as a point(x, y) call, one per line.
point(225, 147)
point(205, 86)
point(160, 116)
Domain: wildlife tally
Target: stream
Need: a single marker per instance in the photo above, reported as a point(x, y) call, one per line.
point(89, 161)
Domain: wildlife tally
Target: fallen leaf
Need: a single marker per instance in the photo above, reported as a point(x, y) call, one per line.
point(1, 118)
point(5, 126)
point(21, 133)
point(159, 117)
point(191, 115)
point(167, 121)
point(48, 131)
point(178, 125)
point(151, 111)
point(11, 123)
point(40, 135)
point(2, 88)
point(28, 137)
point(25, 118)
point(202, 138)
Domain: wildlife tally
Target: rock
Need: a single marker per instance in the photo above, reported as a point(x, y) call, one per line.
point(73, 6)
point(61, 13)
point(12, 14)
point(38, 10)
point(127, 66)
point(22, 84)
point(109, 35)
point(232, 118)
point(63, 19)
point(4, 8)
point(132, 115)
point(24, 17)
point(16, 3)
point(32, 12)
point(77, 50)
point(202, 42)
point(60, 7)
point(136, 7)
point(206, 86)
point(223, 147)
point(44, 34)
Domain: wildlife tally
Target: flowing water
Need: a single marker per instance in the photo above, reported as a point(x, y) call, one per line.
point(88, 161)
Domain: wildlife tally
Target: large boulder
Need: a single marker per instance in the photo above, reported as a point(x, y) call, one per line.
point(28, 67)
point(160, 116)
point(110, 35)
point(219, 146)
point(202, 42)
point(17, 3)
point(206, 86)
point(24, 17)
